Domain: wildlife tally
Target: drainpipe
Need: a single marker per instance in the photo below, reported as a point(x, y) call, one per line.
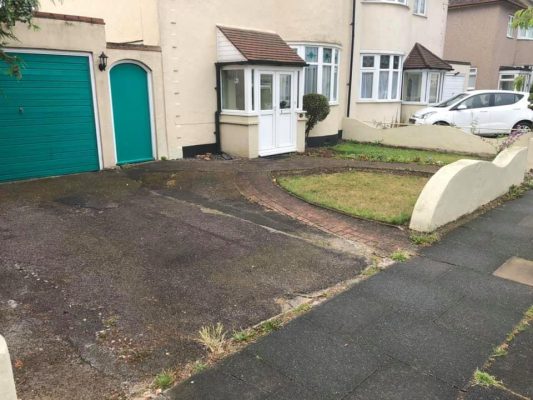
point(351, 61)
point(218, 68)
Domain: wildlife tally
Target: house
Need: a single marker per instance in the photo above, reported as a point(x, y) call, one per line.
point(481, 32)
point(185, 78)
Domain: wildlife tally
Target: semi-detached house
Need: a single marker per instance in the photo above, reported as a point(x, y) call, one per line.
point(187, 77)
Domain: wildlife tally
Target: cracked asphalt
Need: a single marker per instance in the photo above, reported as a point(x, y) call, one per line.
point(106, 278)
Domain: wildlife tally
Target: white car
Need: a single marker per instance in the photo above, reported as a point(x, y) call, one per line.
point(482, 112)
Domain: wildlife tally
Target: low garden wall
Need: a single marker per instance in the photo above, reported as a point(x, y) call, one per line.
point(7, 383)
point(426, 137)
point(460, 188)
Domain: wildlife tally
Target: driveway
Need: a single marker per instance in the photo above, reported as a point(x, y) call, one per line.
point(106, 278)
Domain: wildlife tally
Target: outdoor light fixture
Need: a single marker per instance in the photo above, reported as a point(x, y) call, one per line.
point(103, 62)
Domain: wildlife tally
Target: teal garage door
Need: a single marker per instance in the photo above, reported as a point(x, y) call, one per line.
point(131, 113)
point(47, 121)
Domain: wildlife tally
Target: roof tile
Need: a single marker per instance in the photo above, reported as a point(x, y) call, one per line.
point(422, 58)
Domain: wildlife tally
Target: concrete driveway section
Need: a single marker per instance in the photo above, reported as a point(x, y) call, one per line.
point(418, 330)
point(106, 278)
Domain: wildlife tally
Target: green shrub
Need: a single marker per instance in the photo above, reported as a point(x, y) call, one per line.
point(317, 108)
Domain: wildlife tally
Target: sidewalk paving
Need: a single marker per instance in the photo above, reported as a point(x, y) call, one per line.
point(415, 331)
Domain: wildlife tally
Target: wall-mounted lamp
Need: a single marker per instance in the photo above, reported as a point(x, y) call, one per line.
point(103, 62)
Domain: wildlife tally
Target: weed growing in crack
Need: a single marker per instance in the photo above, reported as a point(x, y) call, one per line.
point(424, 239)
point(213, 338)
point(482, 378)
point(244, 335)
point(400, 256)
point(270, 326)
point(164, 380)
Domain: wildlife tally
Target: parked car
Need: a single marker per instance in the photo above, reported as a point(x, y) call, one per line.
point(482, 112)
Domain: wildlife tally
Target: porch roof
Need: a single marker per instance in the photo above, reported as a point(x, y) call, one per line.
point(422, 58)
point(259, 47)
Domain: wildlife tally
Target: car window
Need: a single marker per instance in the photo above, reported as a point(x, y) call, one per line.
point(478, 101)
point(453, 100)
point(505, 99)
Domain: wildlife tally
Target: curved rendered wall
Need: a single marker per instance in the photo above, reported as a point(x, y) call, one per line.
point(7, 383)
point(462, 187)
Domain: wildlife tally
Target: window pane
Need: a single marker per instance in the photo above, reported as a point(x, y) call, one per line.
point(394, 94)
point(396, 62)
point(311, 79)
point(326, 81)
point(368, 61)
point(507, 85)
point(433, 88)
point(384, 62)
point(336, 56)
point(311, 54)
point(335, 83)
point(479, 101)
point(233, 89)
point(472, 77)
point(367, 83)
point(505, 99)
point(267, 86)
point(285, 91)
point(327, 55)
point(384, 85)
point(412, 86)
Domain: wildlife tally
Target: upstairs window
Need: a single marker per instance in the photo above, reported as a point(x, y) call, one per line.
point(510, 29)
point(420, 7)
point(322, 74)
point(380, 77)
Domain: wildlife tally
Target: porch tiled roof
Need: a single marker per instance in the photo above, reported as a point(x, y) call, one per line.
point(258, 46)
point(467, 3)
point(422, 58)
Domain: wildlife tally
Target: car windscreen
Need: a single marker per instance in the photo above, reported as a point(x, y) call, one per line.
point(453, 100)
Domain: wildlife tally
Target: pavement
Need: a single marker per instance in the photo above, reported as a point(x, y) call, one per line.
point(417, 330)
point(106, 278)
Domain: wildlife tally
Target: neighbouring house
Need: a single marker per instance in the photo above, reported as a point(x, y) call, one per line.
point(481, 32)
point(185, 78)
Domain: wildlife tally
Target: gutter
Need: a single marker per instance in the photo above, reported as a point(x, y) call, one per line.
point(351, 61)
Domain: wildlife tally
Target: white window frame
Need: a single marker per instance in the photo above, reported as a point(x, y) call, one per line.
point(525, 33)
point(420, 7)
point(425, 86)
point(510, 29)
point(400, 2)
point(515, 74)
point(376, 69)
point(335, 64)
point(472, 72)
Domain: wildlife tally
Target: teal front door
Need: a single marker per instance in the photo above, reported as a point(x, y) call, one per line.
point(47, 118)
point(131, 113)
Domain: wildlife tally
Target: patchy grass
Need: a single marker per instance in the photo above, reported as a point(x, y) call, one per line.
point(213, 338)
point(164, 380)
point(302, 309)
point(372, 195)
point(400, 256)
point(377, 152)
point(244, 335)
point(270, 326)
point(424, 239)
point(199, 366)
point(485, 379)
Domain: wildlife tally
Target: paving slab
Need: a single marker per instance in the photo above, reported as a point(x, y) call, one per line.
point(400, 381)
point(516, 269)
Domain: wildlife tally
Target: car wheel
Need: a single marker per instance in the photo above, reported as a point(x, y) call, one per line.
point(441, 123)
point(523, 126)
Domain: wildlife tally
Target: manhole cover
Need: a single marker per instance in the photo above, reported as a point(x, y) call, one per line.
point(516, 269)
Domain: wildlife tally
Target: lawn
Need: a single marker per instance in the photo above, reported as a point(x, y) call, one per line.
point(377, 152)
point(372, 195)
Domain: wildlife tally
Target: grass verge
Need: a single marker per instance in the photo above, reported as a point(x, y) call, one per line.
point(371, 195)
point(377, 152)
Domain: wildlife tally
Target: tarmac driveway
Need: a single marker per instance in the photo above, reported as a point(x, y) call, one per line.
point(106, 278)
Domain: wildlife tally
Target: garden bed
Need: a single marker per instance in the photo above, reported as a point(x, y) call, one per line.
point(380, 196)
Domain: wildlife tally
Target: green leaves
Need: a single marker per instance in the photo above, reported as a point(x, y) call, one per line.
point(317, 108)
point(523, 18)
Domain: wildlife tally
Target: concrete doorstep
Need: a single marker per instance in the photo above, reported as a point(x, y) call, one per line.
point(7, 382)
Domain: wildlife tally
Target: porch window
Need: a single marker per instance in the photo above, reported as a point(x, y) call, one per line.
point(509, 78)
point(233, 90)
point(380, 77)
point(422, 86)
point(322, 74)
point(525, 33)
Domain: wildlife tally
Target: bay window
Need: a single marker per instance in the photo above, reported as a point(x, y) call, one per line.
point(422, 86)
point(322, 74)
point(419, 7)
point(380, 77)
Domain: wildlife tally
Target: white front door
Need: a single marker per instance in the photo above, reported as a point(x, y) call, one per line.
point(277, 112)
